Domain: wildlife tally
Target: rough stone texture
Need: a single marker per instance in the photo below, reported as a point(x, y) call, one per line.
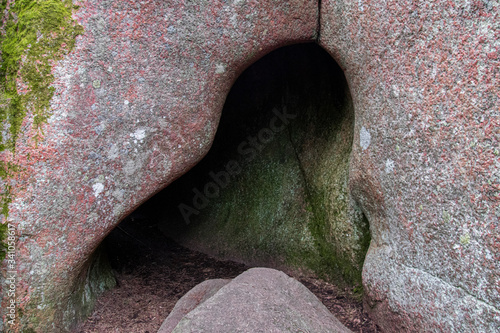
point(425, 163)
point(136, 104)
point(261, 300)
point(288, 205)
point(190, 301)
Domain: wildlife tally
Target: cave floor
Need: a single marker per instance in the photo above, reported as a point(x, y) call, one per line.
point(153, 272)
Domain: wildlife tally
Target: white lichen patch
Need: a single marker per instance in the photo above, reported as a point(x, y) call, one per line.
point(364, 138)
point(118, 210)
point(395, 91)
point(98, 188)
point(118, 194)
point(220, 68)
point(130, 167)
point(139, 135)
point(113, 152)
point(361, 6)
point(389, 165)
point(92, 218)
point(234, 20)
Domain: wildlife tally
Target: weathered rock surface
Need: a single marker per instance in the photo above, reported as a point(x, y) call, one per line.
point(190, 301)
point(136, 104)
point(261, 300)
point(138, 100)
point(425, 160)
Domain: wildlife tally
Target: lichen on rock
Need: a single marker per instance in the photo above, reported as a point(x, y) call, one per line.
point(35, 34)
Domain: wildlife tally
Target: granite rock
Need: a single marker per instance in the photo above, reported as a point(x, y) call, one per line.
point(137, 102)
point(261, 300)
point(425, 157)
point(190, 301)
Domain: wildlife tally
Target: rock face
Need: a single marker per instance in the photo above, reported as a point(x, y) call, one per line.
point(260, 300)
point(190, 301)
point(136, 104)
point(425, 157)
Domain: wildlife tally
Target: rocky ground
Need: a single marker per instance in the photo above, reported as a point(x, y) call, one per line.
point(153, 272)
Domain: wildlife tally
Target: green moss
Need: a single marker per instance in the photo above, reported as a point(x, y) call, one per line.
point(465, 239)
point(29, 330)
point(94, 279)
point(290, 206)
point(72, 307)
point(446, 216)
point(336, 260)
point(261, 201)
point(36, 34)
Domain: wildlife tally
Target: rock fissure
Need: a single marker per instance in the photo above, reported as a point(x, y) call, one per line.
point(299, 162)
point(479, 300)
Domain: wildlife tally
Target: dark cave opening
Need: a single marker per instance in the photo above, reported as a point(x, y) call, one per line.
point(272, 191)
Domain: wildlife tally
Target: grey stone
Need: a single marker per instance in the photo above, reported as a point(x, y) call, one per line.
point(190, 301)
point(261, 300)
point(424, 84)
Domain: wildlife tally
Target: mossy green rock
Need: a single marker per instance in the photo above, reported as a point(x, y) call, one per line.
point(34, 35)
point(37, 33)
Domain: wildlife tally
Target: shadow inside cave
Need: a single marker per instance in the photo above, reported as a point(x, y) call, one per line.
point(272, 191)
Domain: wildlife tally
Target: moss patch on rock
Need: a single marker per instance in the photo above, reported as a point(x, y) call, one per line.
point(35, 34)
point(77, 303)
point(96, 278)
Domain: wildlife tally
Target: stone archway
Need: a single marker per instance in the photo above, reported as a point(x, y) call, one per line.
point(273, 189)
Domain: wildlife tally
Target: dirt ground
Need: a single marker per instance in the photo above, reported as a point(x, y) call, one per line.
point(153, 272)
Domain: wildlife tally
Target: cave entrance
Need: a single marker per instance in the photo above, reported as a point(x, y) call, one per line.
point(273, 189)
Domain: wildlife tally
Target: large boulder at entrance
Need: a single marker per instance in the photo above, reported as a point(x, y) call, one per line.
point(190, 301)
point(261, 300)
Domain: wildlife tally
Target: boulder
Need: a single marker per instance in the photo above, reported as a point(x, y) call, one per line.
point(190, 301)
point(425, 158)
point(261, 300)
